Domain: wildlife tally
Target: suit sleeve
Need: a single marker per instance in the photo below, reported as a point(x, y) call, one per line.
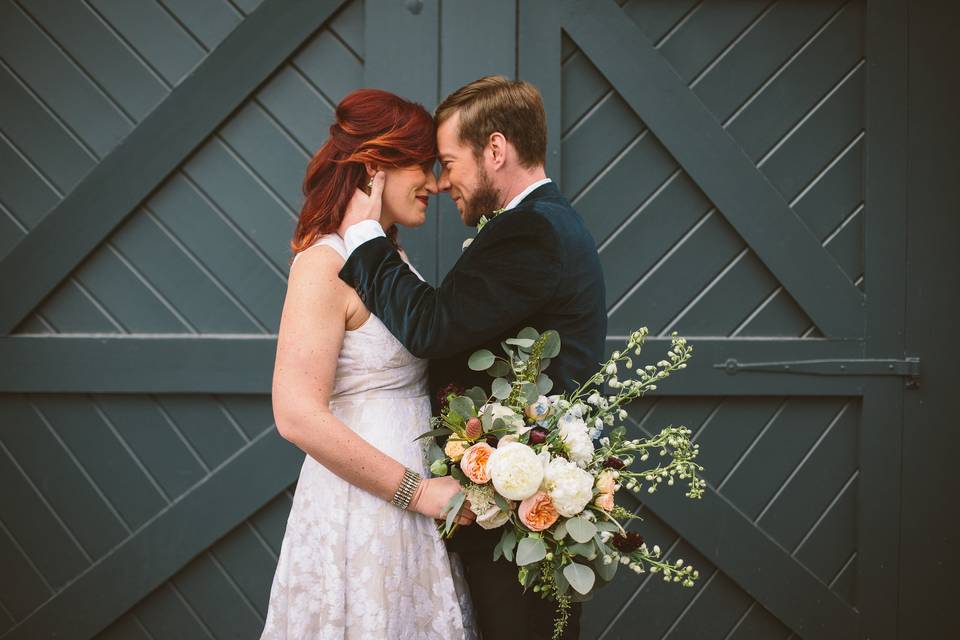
point(509, 272)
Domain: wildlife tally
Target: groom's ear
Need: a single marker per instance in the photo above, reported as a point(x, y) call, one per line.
point(497, 146)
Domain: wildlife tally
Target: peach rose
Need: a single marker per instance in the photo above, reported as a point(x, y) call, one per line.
point(604, 501)
point(537, 512)
point(606, 483)
point(474, 462)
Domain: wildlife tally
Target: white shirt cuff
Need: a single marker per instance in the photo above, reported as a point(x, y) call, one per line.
point(359, 233)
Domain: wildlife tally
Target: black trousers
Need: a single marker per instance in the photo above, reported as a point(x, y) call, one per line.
point(504, 611)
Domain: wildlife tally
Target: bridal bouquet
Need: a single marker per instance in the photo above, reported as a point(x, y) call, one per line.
point(540, 467)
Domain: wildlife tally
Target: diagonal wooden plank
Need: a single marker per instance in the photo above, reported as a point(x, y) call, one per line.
point(156, 551)
point(136, 166)
point(758, 564)
point(647, 82)
point(243, 364)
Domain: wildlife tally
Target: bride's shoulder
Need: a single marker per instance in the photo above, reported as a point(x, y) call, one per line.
point(331, 240)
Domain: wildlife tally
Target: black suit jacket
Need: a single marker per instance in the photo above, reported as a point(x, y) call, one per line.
point(535, 265)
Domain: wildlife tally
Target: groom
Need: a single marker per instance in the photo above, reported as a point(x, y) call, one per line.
point(533, 264)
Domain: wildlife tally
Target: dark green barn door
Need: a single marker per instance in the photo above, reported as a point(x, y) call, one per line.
point(718, 151)
point(736, 161)
point(152, 157)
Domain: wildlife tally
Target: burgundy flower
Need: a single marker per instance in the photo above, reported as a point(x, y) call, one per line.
point(613, 463)
point(538, 435)
point(492, 440)
point(443, 395)
point(627, 543)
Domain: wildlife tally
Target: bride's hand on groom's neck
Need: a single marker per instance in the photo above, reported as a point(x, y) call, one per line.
point(362, 206)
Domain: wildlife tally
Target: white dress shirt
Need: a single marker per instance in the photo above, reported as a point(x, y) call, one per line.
point(361, 232)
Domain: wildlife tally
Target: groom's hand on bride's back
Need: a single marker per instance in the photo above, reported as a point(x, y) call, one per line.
point(362, 206)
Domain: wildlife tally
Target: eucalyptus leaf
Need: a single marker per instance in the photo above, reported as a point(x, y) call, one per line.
point(507, 542)
point(498, 551)
point(442, 431)
point(544, 363)
point(560, 531)
point(530, 550)
point(486, 419)
point(530, 392)
point(577, 597)
point(606, 525)
point(581, 529)
point(530, 578)
point(506, 349)
point(562, 585)
point(551, 346)
point(501, 502)
point(544, 384)
point(434, 452)
point(586, 549)
point(453, 508)
point(530, 333)
point(478, 395)
point(523, 343)
point(480, 360)
point(605, 571)
point(499, 369)
point(457, 473)
point(501, 389)
point(463, 406)
point(580, 577)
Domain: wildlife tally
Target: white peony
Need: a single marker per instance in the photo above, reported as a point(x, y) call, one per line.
point(573, 432)
point(515, 471)
point(569, 486)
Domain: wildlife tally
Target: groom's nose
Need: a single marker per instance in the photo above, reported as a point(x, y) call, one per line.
point(443, 182)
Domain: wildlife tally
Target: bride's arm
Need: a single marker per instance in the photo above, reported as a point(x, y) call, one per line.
point(309, 341)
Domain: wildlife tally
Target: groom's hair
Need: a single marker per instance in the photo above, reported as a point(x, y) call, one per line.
point(499, 104)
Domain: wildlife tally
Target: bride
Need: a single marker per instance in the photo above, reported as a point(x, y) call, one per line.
point(361, 557)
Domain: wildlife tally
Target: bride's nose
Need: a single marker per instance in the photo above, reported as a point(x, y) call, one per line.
point(431, 184)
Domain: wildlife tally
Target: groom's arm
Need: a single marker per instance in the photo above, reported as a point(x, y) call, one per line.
point(511, 271)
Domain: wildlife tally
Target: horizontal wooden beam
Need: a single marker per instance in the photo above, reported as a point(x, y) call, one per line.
point(137, 364)
point(244, 364)
point(155, 148)
point(648, 83)
point(156, 551)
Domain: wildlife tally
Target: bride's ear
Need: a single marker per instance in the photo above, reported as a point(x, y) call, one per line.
point(371, 169)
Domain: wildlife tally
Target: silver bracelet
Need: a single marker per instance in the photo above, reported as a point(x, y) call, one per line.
point(407, 489)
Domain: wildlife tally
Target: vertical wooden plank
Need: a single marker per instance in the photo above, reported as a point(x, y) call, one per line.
point(538, 61)
point(402, 53)
point(885, 262)
point(927, 590)
point(476, 40)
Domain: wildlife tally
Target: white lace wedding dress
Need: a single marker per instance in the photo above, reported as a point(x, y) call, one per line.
point(352, 565)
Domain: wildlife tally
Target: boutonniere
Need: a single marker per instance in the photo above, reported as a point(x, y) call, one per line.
point(481, 223)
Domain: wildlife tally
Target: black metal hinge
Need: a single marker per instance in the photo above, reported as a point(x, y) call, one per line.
point(908, 368)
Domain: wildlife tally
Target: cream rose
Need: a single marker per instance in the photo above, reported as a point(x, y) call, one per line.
point(454, 449)
point(569, 486)
point(515, 471)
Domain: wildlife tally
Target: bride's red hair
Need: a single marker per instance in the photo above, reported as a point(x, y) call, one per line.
point(371, 126)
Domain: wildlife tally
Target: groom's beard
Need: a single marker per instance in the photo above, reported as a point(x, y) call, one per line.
point(483, 202)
